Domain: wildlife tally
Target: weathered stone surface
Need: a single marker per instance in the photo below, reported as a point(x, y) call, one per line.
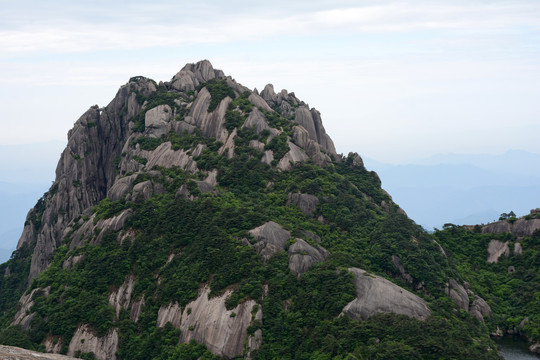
point(521, 227)
point(24, 317)
point(15, 353)
point(229, 145)
point(256, 144)
point(259, 102)
point(535, 348)
point(377, 295)
point(495, 249)
point(257, 120)
point(207, 185)
point(458, 293)
point(84, 340)
point(136, 308)
point(171, 313)
point(211, 124)
point(165, 156)
point(302, 256)
point(311, 147)
point(295, 154)
point(53, 344)
point(305, 202)
point(156, 120)
point(121, 187)
point(271, 239)
point(209, 322)
point(85, 172)
point(121, 298)
point(268, 157)
point(268, 93)
point(192, 75)
point(88, 228)
point(480, 308)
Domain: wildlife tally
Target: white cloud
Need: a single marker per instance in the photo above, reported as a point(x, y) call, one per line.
point(71, 36)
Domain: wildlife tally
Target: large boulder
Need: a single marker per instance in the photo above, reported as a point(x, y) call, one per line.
point(271, 238)
point(303, 256)
point(375, 294)
point(497, 248)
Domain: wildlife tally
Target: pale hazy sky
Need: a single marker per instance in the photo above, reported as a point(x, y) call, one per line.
point(393, 80)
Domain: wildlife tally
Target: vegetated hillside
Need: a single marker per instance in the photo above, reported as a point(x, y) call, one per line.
point(501, 262)
point(199, 219)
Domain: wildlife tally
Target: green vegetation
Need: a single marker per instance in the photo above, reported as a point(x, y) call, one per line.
point(171, 246)
point(512, 295)
point(218, 90)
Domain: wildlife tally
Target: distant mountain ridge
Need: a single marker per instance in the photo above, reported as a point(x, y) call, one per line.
point(463, 189)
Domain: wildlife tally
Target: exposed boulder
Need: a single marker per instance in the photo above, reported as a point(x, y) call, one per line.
point(458, 293)
point(480, 308)
point(121, 187)
point(192, 75)
point(156, 120)
point(302, 256)
point(210, 124)
point(165, 156)
point(377, 295)
point(207, 185)
point(85, 341)
point(259, 102)
point(305, 202)
point(295, 154)
point(209, 322)
point(271, 238)
point(495, 249)
point(257, 120)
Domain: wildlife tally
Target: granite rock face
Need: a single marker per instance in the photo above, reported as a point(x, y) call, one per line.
point(103, 157)
point(521, 227)
point(85, 340)
point(303, 256)
point(496, 249)
point(207, 321)
point(271, 238)
point(377, 295)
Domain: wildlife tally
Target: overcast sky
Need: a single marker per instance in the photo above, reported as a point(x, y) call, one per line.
point(393, 80)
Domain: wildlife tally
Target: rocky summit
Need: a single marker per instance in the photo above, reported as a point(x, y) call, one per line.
point(200, 219)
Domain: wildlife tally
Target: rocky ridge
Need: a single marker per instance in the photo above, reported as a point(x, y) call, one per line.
point(157, 146)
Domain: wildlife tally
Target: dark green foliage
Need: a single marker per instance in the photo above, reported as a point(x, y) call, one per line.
point(513, 296)
point(186, 244)
point(218, 90)
point(148, 143)
point(191, 351)
point(279, 146)
point(160, 97)
point(108, 208)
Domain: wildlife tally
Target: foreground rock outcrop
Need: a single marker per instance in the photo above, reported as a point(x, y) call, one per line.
point(16, 353)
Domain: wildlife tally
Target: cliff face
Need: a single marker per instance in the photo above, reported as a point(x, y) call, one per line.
point(200, 210)
point(98, 153)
